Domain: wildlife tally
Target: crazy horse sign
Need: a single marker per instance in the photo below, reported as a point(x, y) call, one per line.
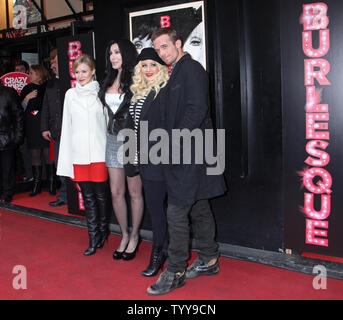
point(313, 134)
point(16, 80)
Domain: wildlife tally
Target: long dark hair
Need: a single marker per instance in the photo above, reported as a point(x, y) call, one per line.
point(129, 56)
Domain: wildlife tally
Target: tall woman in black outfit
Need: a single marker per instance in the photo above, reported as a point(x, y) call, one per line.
point(115, 94)
point(32, 100)
point(150, 77)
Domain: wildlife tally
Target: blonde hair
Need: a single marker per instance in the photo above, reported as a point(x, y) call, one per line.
point(140, 87)
point(41, 72)
point(86, 59)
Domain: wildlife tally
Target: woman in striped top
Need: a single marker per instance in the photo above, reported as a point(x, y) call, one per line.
point(150, 77)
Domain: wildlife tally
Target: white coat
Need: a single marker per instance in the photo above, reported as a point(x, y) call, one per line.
point(83, 136)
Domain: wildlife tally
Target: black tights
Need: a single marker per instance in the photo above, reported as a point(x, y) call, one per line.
point(155, 197)
point(36, 156)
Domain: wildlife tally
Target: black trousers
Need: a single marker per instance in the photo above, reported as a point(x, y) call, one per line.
point(155, 199)
point(197, 218)
point(7, 172)
point(63, 188)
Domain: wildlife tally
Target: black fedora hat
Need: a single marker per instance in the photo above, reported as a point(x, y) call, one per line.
point(149, 54)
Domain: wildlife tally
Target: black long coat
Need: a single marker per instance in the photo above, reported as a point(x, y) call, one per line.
point(151, 114)
point(11, 119)
point(52, 109)
point(187, 107)
point(32, 116)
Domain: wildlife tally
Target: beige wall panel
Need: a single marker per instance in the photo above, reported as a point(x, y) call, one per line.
point(59, 8)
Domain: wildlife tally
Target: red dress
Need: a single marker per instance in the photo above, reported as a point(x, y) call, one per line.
point(94, 172)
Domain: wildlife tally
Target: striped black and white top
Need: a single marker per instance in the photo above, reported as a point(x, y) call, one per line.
point(135, 112)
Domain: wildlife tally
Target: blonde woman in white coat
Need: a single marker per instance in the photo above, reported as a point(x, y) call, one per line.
point(82, 148)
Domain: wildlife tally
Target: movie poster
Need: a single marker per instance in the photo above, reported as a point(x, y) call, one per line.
point(187, 19)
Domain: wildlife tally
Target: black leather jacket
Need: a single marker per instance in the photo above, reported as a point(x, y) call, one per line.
point(121, 119)
point(11, 119)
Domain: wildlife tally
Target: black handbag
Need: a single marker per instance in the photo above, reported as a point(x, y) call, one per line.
point(131, 170)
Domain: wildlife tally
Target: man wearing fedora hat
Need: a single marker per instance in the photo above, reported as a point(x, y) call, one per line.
point(51, 119)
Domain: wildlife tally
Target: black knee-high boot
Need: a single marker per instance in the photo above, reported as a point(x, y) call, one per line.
point(37, 180)
point(101, 190)
point(91, 210)
point(51, 177)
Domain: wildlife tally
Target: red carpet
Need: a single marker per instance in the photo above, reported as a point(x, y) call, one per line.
point(51, 252)
point(40, 202)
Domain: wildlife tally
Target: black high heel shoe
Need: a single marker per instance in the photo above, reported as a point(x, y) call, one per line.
point(117, 255)
point(102, 240)
point(131, 255)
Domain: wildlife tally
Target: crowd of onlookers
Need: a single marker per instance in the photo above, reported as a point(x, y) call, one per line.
point(24, 151)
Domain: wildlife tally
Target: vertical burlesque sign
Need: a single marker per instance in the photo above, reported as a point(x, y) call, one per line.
point(69, 48)
point(74, 51)
point(316, 179)
point(312, 134)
